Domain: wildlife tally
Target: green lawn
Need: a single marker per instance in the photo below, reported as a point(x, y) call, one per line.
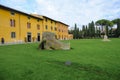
point(91, 59)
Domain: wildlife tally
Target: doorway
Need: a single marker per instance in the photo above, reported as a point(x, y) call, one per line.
point(29, 37)
point(38, 37)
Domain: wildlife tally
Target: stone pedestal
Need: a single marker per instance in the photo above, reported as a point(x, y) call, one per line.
point(105, 38)
point(49, 42)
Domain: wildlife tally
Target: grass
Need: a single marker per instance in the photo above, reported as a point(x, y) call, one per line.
point(91, 59)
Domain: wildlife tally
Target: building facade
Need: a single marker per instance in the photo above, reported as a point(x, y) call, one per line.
point(17, 26)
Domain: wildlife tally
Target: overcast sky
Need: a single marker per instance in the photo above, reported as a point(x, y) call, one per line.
point(69, 11)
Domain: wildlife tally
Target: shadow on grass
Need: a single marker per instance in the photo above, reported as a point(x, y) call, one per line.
point(3, 74)
point(6, 75)
point(88, 68)
point(2, 77)
point(77, 66)
point(27, 73)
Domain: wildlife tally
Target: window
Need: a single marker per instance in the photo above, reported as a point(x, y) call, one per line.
point(12, 13)
point(55, 29)
point(28, 25)
point(46, 27)
point(38, 26)
point(28, 17)
point(12, 22)
point(13, 35)
point(38, 20)
point(56, 36)
point(46, 19)
point(51, 22)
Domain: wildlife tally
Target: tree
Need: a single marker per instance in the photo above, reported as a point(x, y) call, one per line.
point(107, 32)
point(111, 32)
point(117, 22)
point(86, 32)
point(76, 32)
point(89, 29)
point(70, 31)
point(97, 32)
point(100, 23)
point(80, 34)
point(109, 27)
point(83, 31)
point(105, 24)
point(92, 29)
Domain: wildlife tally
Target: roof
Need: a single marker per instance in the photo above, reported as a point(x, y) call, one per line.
point(8, 8)
point(37, 15)
point(56, 20)
point(63, 23)
point(50, 18)
point(31, 15)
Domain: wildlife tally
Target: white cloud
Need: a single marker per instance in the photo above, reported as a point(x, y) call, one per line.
point(71, 11)
point(78, 11)
point(13, 2)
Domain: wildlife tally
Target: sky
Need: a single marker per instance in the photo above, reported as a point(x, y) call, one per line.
point(70, 12)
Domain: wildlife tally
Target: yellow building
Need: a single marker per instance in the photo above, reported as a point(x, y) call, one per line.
point(49, 25)
point(17, 26)
point(62, 30)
